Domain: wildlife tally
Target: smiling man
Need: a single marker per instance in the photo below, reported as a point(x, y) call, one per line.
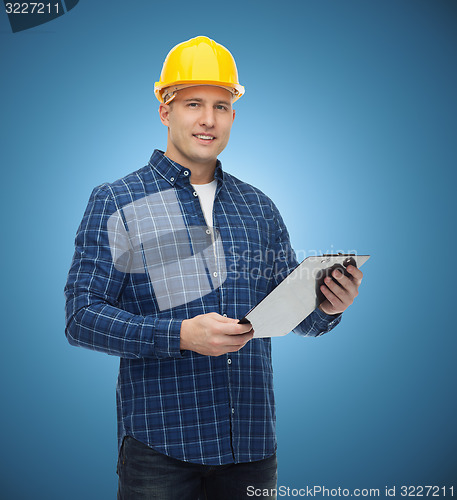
point(199, 120)
point(167, 260)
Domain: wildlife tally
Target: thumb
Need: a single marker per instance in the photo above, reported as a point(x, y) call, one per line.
point(225, 319)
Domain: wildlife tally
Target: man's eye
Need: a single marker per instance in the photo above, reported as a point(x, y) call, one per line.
point(193, 104)
point(222, 107)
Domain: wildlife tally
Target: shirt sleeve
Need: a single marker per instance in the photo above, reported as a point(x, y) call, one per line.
point(93, 289)
point(317, 323)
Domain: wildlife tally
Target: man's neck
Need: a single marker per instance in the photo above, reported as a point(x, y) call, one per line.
point(200, 173)
point(201, 177)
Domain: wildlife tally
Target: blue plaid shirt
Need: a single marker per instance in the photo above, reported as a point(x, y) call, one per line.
point(201, 409)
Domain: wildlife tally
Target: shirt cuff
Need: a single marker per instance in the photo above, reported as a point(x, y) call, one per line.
point(167, 338)
point(326, 317)
point(317, 323)
point(326, 322)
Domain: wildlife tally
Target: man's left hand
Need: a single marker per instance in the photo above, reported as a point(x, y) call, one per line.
point(339, 298)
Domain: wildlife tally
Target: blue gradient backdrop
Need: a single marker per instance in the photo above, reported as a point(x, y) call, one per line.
point(348, 123)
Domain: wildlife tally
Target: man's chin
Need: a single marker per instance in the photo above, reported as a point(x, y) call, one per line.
point(203, 160)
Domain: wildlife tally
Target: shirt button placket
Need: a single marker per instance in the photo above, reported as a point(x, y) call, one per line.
point(232, 409)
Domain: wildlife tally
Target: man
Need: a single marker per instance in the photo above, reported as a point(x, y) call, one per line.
point(167, 260)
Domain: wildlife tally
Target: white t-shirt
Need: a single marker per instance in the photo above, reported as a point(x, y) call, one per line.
point(206, 193)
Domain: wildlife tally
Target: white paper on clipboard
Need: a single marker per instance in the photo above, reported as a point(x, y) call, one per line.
point(295, 297)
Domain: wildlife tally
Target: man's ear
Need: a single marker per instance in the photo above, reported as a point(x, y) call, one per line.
point(233, 117)
point(164, 113)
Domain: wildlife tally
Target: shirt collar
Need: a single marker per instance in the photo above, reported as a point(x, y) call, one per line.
point(172, 171)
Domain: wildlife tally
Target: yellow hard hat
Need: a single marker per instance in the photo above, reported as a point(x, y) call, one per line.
point(199, 61)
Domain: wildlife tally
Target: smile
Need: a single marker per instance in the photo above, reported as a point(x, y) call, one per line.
point(204, 137)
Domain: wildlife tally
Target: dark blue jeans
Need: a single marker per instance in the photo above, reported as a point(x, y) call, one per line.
point(145, 474)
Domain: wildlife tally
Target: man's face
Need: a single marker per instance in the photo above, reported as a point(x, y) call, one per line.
point(199, 120)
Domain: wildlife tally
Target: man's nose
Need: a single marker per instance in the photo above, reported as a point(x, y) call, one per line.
point(207, 117)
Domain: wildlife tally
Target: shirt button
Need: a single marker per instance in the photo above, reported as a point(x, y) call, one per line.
point(172, 179)
point(186, 172)
point(225, 315)
point(215, 274)
point(229, 361)
point(195, 193)
point(208, 231)
point(233, 410)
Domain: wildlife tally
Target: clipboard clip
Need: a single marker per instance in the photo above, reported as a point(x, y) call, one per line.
point(339, 254)
point(347, 262)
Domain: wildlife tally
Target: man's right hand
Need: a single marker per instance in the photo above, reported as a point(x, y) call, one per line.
point(212, 334)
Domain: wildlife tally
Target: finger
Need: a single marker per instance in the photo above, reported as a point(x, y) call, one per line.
point(225, 319)
point(239, 341)
point(326, 307)
point(356, 273)
point(347, 283)
point(336, 289)
point(330, 296)
point(235, 328)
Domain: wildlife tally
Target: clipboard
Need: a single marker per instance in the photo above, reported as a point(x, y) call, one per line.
point(296, 297)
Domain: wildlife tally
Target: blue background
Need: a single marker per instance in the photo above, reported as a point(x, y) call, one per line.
point(348, 123)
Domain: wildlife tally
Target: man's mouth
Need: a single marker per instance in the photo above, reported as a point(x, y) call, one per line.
point(204, 137)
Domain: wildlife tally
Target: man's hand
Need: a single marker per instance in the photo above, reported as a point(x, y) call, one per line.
point(212, 334)
point(339, 298)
